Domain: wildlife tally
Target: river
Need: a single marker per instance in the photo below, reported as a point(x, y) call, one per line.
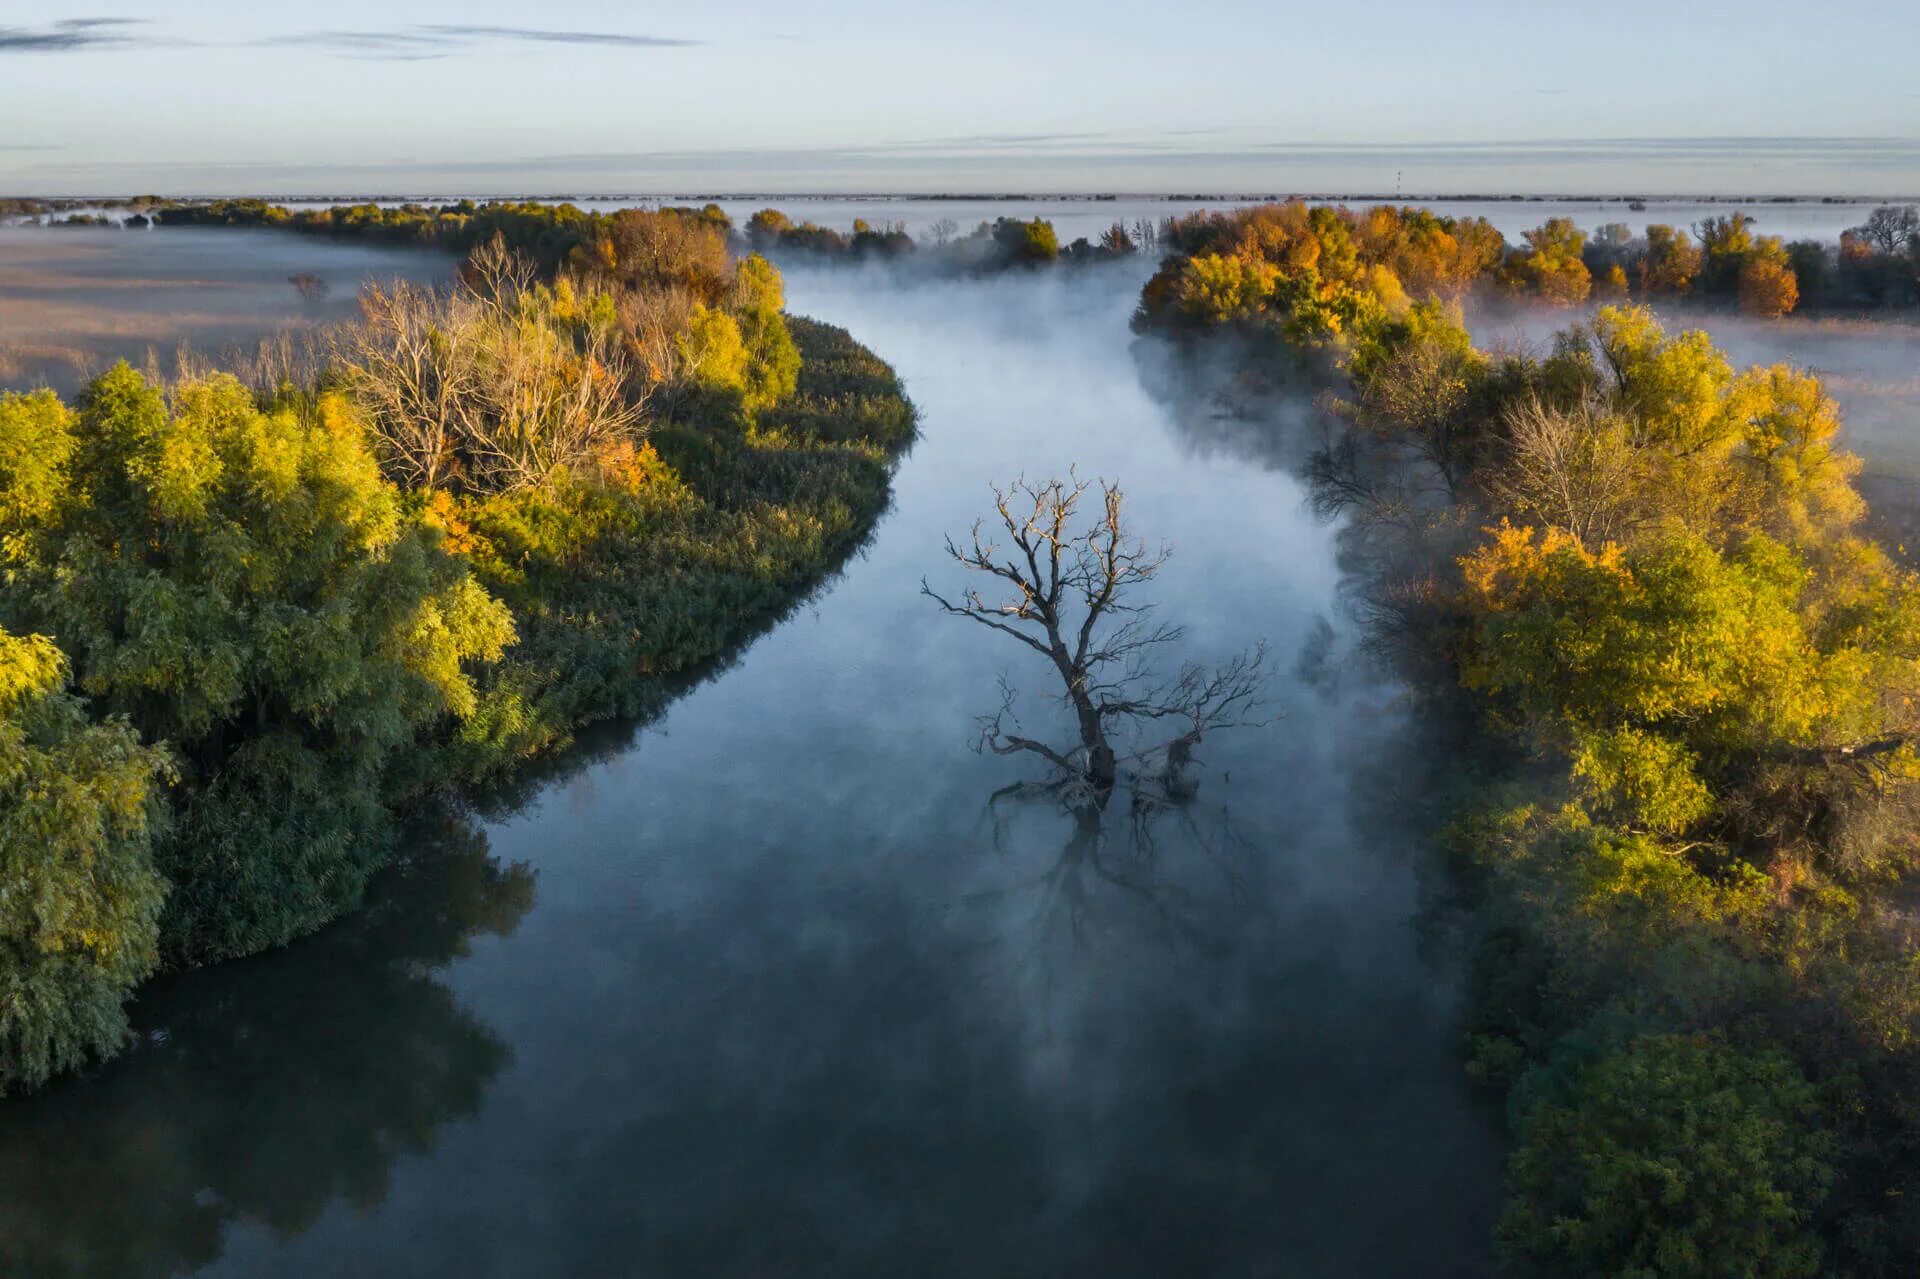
point(768, 988)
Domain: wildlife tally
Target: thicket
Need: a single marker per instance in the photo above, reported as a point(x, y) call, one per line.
point(246, 617)
point(1684, 805)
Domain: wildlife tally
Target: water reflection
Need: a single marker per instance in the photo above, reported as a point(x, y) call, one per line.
point(266, 1090)
point(793, 1002)
point(1134, 868)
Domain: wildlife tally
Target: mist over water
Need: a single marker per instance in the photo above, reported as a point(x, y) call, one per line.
point(780, 991)
point(73, 300)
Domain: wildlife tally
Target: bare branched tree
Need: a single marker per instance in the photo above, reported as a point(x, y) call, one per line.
point(1066, 592)
point(485, 386)
point(1576, 469)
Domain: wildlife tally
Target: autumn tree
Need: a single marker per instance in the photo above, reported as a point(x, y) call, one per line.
point(1721, 453)
point(1026, 242)
point(1670, 263)
point(1419, 380)
point(1725, 242)
point(1552, 265)
point(1768, 288)
point(646, 249)
point(765, 228)
point(1573, 467)
point(773, 362)
point(1117, 240)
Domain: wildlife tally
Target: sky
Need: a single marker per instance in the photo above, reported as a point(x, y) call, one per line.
point(507, 97)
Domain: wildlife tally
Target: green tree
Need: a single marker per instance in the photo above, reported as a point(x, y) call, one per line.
point(1026, 242)
point(1657, 670)
point(1676, 1156)
point(245, 587)
point(79, 896)
point(773, 361)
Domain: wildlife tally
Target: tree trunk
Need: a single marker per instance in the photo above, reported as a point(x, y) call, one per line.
point(1103, 768)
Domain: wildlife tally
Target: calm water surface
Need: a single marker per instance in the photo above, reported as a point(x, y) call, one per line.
point(771, 989)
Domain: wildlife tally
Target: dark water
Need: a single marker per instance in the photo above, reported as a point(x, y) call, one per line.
point(772, 990)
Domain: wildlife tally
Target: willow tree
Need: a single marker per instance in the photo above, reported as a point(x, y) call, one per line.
point(244, 587)
point(1068, 591)
point(79, 895)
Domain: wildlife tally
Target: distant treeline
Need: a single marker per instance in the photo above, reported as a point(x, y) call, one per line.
point(548, 233)
point(35, 207)
point(1719, 261)
point(561, 233)
point(1222, 264)
point(247, 614)
point(1674, 698)
point(1000, 244)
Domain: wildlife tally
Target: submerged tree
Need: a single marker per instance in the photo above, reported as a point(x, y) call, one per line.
point(1067, 593)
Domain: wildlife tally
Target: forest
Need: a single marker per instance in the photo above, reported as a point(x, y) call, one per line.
point(253, 613)
point(1674, 687)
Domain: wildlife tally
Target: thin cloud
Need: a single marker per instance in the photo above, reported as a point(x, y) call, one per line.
point(990, 142)
point(439, 40)
point(71, 35)
point(400, 44)
point(384, 45)
point(617, 39)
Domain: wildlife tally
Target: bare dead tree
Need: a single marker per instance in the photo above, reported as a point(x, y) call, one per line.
point(484, 386)
point(409, 363)
point(1576, 468)
point(1066, 592)
point(498, 273)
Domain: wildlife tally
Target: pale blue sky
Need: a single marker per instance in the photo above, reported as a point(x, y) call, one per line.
point(497, 96)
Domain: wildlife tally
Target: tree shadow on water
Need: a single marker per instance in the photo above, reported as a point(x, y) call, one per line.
point(1136, 865)
point(268, 1090)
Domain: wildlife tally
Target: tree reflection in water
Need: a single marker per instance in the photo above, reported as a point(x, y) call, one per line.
point(266, 1090)
point(1143, 860)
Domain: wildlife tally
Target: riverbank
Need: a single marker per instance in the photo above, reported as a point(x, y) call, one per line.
point(1625, 581)
point(243, 633)
point(779, 954)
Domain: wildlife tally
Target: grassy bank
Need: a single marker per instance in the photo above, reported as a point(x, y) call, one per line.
point(247, 619)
